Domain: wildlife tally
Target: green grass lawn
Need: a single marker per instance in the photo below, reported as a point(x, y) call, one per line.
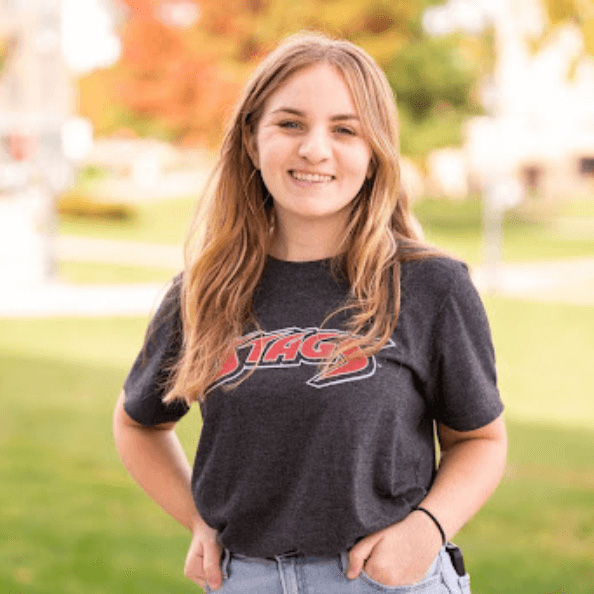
point(159, 221)
point(544, 354)
point(531, 233)
point(162, 222)
point(73, 521)
point(91, 273)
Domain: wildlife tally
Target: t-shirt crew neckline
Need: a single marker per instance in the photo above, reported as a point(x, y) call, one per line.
point(296, 263)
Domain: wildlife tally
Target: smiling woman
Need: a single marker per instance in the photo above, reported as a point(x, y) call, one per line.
point(322, 478)
point(313, 158)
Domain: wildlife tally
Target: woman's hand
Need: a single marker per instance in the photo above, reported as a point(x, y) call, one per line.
point(399, 555)
point(203, 562)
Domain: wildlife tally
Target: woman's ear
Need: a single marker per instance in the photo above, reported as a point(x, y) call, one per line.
point(370, 169)
point(252, 149)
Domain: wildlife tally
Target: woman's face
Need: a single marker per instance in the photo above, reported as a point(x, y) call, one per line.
point(310, 148)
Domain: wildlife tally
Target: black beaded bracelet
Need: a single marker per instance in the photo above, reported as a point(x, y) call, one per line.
point(435, 521)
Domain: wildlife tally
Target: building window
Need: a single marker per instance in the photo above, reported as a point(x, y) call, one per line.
point(532, 177)
point(587, 166)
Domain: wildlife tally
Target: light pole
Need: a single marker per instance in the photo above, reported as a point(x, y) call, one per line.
point(501, 190)
point(54, 170)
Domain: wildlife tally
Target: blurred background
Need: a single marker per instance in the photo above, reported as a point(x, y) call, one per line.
point(111, 112)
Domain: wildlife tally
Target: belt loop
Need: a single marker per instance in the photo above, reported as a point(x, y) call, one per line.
point(344, 561)
point(225, 563)
point(281, 573)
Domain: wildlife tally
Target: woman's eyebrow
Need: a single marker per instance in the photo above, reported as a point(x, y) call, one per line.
point(299, 113)
point(290, 110)
point(344, 116)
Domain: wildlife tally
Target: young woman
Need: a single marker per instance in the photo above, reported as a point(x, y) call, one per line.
point(327, 346)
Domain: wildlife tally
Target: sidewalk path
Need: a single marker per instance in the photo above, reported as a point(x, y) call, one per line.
point(567, 281)
point(60, 299)
point(57, 298)
point(111, 251)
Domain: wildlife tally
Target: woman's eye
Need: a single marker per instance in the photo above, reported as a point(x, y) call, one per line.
point(347, 131)
point(290, 125)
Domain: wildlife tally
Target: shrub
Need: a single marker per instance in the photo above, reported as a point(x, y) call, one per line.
point(82, 204)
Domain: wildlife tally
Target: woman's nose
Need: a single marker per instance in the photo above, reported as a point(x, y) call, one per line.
point(315, 146)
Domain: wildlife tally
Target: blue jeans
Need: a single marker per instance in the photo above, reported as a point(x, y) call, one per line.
point(297, 574)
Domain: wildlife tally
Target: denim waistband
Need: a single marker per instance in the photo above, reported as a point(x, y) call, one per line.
point(296, 556)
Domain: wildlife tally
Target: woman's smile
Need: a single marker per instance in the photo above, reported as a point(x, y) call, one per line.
point(311, 178)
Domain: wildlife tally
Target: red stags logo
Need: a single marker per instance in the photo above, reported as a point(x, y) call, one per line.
point(292, 347)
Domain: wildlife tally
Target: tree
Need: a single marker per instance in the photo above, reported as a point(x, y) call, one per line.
point(161, 86)
point(180, 83)
point(435, 80)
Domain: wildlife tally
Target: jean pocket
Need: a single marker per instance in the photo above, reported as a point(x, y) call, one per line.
point(432, 583)
point(465, 584)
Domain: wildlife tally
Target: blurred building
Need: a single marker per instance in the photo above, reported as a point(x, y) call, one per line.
point(36, 93)
point(36, 97)
point(541, 131)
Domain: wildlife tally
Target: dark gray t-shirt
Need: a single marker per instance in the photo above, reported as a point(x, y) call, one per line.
point(292, 460)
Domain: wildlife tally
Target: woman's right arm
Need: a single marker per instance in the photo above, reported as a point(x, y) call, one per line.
point(156, 461)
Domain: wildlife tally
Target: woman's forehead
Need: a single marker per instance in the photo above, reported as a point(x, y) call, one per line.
point(319, 88)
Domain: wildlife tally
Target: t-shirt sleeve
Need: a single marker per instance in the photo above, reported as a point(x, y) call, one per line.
point(466, 392)
point(147, 380)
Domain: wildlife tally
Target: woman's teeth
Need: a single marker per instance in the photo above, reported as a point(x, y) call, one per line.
point(311, 177)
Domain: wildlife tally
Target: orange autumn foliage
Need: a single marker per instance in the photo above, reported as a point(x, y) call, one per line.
point(162, 85)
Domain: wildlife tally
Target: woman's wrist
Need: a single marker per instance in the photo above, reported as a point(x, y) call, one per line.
point(425, 523)
point(436, 523)
point(199, 525)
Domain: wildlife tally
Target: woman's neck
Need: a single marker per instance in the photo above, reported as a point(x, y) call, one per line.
point(305, 242)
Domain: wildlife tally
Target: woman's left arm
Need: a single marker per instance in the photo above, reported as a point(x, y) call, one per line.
point(470, 468)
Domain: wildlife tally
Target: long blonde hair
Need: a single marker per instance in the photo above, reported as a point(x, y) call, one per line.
point(227, 247)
